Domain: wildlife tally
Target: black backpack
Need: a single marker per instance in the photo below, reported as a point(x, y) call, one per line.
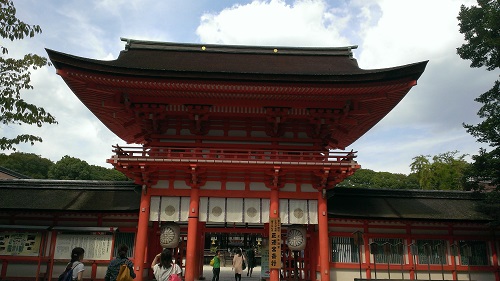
point(67, 275)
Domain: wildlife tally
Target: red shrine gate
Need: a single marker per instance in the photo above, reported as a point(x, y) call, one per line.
point(229, 199)
point(236, 135)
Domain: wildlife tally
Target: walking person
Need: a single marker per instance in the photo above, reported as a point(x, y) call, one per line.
point(163, 266)
point(238, 264)
point(114, 265)
point(250, 253)
point(216, 266)
point(76, 263)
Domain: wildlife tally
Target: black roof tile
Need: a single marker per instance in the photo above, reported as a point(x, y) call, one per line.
point(405, 204)
point(69, 195)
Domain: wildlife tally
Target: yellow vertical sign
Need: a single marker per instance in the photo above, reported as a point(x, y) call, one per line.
point(274, 243)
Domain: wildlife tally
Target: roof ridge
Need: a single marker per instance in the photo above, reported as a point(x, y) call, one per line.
point(270, 49)
point(414, 193)
point(13, 173)
point(65, 184)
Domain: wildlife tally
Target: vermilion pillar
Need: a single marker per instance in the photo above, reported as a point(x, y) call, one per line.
point(274, 212)
point(201, 244)
point(142, 234)
point(192, 239)
point(323, 244)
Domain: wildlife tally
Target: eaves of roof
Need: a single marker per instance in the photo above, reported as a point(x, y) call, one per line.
point(236, 63)
point(60, 195)
point(13, 173)
point(405, 204)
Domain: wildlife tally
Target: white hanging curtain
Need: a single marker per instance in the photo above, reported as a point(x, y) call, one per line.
point(252, 210)
point(203, 209)
point(154, 208)
point(216, 209)
point(240, 210)
point(313, 211)
point(234, 210)
point(170, 208)
point(265, 210)
point(184, 215)
point(284, 211)
point(298, 212)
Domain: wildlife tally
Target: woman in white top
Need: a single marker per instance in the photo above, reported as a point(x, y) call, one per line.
point(238, 264)
point(76, 263)
point(163, 266)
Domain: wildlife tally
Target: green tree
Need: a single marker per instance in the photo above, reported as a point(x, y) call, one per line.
point(445, 171)
point(490, 207)
point(107, 174)
point(15, 77)
point(480, 26)
point(70, 168)
point(421, 167)
point(28, 164)
point(366, 178)
point(483, 173)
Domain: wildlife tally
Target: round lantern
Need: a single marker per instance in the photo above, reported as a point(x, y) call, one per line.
point(169, 235)
point(296, 237)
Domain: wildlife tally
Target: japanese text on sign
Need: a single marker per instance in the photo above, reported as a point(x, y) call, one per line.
point(97, 247)
point(274, 243)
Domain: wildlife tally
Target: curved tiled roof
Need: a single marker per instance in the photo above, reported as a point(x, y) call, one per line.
point(230, 62)
point(405, 204)
point(69, 195)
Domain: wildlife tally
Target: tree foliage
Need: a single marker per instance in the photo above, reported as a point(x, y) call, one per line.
point(68, 168)
point(106, 174)
point(490, 207)
point(484, 172)
point(488, 131)
point(15, 77)
point(365, 178)
point(28, 164)
point(445, 171)
point(480, 26)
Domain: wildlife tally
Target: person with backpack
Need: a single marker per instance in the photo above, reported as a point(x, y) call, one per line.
point(164, 268)
point(75, 267)
point(114, 266)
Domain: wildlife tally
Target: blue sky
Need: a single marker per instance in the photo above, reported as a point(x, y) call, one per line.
point(428, 121)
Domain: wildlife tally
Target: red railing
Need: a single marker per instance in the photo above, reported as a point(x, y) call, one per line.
point(218, 155)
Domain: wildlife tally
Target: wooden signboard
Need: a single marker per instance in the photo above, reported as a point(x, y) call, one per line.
point(274, 243)
point(19, 244)
point(97, 247)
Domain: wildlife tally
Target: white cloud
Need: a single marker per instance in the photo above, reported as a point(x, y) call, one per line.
point(305, 23)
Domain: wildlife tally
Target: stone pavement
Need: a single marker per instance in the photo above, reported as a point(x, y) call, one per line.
point(226, 274)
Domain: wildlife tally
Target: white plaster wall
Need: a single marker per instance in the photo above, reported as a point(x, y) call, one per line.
point(307, 188)
point(161, 184)
point(181, 185)
point(235, 186)
point(258, 186)
point(237, 133)
point(212, 185)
